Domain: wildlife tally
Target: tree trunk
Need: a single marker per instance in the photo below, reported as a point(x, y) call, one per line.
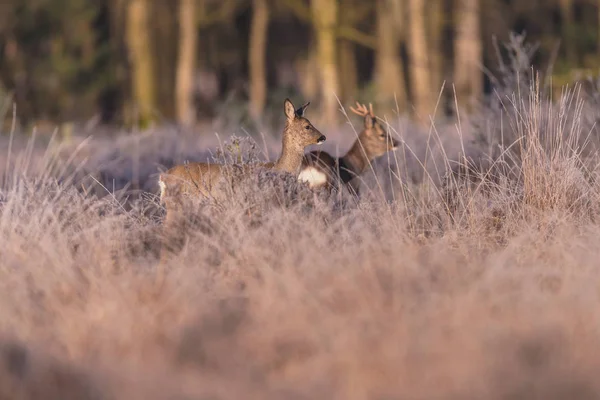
point(348, 70)
point(114, 99)
point(419, 61)
point(568, 24)
point(467, 51)
point(257, 57)
point(436, 35)
point(324, 14)
point(598, 29)
point(389, 69)
point(186, 63)
point(141, 60)
point(308, 72)
point(164, 23)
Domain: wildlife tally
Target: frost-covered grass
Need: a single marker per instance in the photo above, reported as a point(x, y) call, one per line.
point(428, 286)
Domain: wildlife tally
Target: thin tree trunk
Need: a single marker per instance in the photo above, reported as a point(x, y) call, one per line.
point(436, 34)
point(114, 102)
point(419, 61)
point(468, 51)
point(140, 57)
point(324, 14)
point(568, 23)
point(598, 22)
point(164, 18)
point(389, 69)
point(117, 16)
point(257, 57)
point(186, 63)
point(348, 70)
point(308, 72)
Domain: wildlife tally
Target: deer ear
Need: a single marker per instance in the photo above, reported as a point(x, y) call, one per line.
point(288, 106)
point(369, 122)
point(300, 111)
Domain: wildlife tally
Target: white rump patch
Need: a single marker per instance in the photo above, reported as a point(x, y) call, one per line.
point(163, 189)
point(313, 177)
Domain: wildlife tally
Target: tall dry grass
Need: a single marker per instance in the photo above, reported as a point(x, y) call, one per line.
point(491, 293)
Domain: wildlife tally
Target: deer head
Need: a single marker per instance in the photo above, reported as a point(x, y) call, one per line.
point(375, 139)
point(299, 132)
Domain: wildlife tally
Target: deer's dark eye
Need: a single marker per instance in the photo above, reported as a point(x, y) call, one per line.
point(307, 127)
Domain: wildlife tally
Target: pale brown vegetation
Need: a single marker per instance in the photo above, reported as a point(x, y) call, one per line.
point(283, 293)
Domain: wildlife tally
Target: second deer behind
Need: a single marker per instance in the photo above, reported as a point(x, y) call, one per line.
point(320, 169)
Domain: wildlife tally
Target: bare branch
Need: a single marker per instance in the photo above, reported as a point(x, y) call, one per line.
point(356, 36)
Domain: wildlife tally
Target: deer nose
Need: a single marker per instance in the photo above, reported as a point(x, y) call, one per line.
point(321, 139)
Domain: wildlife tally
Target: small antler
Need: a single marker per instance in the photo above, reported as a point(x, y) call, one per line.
point(362, 110)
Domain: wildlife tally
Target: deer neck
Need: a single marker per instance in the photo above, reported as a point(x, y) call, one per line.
point(357, 158)
point(290, 159)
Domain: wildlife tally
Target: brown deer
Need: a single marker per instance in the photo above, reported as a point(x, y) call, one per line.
point(205, 179)
point(320, 169)
point(202, 178)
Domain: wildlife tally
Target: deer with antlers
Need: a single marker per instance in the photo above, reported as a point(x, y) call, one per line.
point(320, 169)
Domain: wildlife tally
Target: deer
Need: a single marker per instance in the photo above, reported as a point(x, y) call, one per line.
point(320, 169)
point(202, 178)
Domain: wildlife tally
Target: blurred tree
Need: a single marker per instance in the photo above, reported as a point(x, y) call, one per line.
point(51, 59)
point(164, 33)
point(186, 62)
point(113, 101)
point(436, 25)
point(308, 69)
point(568, 30)
point(141, 59)
point(598, 27)
point(72, 59)
point(257, 57)
point(467, 51)
point(389, 72)
point(332, 25)
point(353, 14)
point(324, 14)
point(198, 19)
point(348, 70)
point(420, 73)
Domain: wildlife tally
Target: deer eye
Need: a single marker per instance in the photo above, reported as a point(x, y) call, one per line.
point(307, 127)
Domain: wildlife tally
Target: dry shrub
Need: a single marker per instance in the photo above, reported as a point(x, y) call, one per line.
point(298, 306)
point(276, 291)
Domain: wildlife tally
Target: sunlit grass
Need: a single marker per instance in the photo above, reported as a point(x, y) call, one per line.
point(429, 286)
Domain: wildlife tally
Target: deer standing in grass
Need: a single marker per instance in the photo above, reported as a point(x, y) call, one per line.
point(202, 178)
point(320, 169)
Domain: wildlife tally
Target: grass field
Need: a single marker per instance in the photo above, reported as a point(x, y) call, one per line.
point(484, 287)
